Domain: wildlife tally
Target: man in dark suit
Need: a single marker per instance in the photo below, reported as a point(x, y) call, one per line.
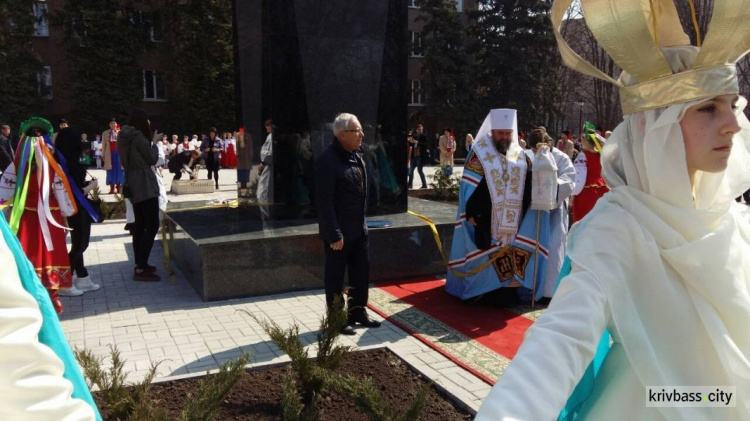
point(341, 188)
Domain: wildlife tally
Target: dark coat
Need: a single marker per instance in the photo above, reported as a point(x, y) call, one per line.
point(181, 159)
point(68, 144)
point(212, 158)
point(341, 189)
point(6, 152)
point(138, 155)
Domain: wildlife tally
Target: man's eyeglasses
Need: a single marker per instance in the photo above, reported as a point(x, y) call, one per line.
point(354, 131)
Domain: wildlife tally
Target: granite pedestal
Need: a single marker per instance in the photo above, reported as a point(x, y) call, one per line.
point(229, 253)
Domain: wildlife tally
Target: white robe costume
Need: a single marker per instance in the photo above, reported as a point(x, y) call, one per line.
point(662, 265)
point(558, 223)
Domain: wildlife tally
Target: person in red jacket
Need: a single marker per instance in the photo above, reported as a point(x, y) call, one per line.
point(590, 185)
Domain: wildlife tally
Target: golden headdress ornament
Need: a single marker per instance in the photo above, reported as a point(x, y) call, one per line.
point(633, 32)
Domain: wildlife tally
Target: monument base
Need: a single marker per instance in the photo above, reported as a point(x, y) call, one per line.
point(230, 253)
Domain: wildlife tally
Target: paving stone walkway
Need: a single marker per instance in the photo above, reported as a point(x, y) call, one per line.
point(167, 322)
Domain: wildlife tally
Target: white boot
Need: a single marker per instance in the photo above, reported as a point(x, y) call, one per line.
point(85, 284)
point(70, 292)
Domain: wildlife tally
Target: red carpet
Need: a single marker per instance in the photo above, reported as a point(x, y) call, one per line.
point(481, 339)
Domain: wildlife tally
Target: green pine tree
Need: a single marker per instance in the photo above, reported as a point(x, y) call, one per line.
point(445, 64)
point(199, 49)
point(102, 41)
point(516, 59)
point(19, 66)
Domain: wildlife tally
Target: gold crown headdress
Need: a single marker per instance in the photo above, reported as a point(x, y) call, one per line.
point(633, 32)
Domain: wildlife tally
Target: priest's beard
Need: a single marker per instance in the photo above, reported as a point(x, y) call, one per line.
point(501, 146)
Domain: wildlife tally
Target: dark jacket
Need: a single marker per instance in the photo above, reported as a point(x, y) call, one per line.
point(421, 144)
point(138, 155)
point(6, 152)
point(183, 158)
point(68, 144)
point(212, 158)
point(341, 189)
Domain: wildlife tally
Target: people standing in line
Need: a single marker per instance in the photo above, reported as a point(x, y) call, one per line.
point(115, 174)
point(447, 146)
point(418, 156)
point(68, 145)
point(139, 154)
point(341, 188)
point(211, 148)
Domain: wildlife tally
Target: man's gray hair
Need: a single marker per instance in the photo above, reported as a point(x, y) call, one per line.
point(341, 122)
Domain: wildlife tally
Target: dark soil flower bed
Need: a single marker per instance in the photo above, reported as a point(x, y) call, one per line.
point(257, 396)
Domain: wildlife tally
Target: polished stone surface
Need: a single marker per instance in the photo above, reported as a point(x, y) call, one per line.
point(224, 254)
point(300, 63)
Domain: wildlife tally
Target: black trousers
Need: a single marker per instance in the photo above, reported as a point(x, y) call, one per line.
point(354, 259)
point(145, 227)
point(79, 240)
point(214, 171)
point(177, 175)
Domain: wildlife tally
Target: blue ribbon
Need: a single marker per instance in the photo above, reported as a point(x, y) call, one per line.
point(77, 193)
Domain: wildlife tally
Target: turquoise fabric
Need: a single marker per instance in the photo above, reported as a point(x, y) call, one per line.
point(51, 333)
point(586, 386)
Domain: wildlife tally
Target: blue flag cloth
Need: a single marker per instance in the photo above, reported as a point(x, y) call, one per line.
point(51, 333)
point(515, 265)
point(585, 387)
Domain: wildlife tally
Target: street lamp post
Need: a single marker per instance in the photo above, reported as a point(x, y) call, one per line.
point(580, 118)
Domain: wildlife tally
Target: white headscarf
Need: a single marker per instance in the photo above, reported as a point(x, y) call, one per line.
point(676, 270)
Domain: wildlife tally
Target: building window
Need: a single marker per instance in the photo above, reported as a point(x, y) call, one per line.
point(154, 88)
point(416, 43)
point(44, 82)
point(156, 27)
point(460, 5)
point(417, 97)
point(413, 4)
point(41, 24)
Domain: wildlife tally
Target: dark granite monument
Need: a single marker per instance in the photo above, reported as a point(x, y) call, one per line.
point(300, 63)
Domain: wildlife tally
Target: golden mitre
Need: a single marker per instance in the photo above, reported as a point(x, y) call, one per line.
point(633, 32)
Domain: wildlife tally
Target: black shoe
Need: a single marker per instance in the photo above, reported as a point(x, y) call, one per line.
point(363, 319)
point(347, 330)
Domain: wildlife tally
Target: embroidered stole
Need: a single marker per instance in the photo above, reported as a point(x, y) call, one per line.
point(506, 177)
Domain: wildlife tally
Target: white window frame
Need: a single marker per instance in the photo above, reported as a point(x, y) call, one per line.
point(413, 4)
point(41, 20)
point(416, 94)
point(154, 76)
point(44, 82)
point(416, 39)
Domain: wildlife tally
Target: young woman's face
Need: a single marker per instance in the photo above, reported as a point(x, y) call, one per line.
point(707, 129)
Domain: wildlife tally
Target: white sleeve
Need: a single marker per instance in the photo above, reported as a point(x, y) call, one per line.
point(32, 386)
point(566, 177)
point(581, 172)
point(554, 355)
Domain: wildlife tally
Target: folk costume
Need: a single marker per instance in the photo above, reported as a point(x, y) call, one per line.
point(590, 185)
point(671, 281)
point(505, 249)
point(115, 173)
point(38, 188)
